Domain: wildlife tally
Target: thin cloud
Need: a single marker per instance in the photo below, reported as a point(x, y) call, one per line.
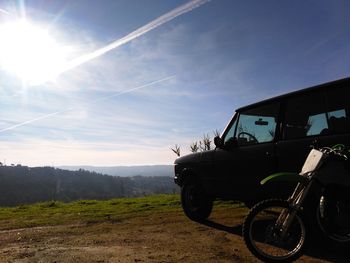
point(92, 102)
point(185, 8)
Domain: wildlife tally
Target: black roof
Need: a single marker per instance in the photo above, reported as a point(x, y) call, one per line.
point(320, 86)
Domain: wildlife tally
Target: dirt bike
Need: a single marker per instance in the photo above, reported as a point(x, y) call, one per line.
point(278, 230)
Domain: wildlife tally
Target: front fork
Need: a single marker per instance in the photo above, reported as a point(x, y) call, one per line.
point(296, 201)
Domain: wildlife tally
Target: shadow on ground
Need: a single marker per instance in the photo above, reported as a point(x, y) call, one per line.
point(319, 247)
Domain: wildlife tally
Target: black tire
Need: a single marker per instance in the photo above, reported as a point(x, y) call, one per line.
point(259, 233)
point(196, 205)
point(328, 222)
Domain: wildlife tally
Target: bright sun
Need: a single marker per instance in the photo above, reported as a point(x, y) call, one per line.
point(29, 52)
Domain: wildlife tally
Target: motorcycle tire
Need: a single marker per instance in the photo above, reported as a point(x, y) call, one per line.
point(329, 220)
point(262, 237)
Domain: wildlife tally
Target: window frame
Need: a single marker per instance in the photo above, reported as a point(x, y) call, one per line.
point(229, 125)
point(327, 92)
point(320, 90)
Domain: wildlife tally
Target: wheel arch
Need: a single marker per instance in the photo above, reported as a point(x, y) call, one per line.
point(188, 175)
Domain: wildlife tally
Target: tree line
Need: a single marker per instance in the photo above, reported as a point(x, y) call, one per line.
point(23, 185)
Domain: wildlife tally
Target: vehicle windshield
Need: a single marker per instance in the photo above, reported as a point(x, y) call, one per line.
point(253, 126)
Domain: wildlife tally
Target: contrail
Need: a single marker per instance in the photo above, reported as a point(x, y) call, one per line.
point(187, 7)
point(92, 102)
point(133, 89)
point(33, 120)
point(139, 32)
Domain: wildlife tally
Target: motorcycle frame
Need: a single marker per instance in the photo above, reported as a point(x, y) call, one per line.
point(296, 200)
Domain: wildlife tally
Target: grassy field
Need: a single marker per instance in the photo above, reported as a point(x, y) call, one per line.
point(88, 211)
point(145, 229)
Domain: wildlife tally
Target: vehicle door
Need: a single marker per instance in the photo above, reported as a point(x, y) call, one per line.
point(248, 153)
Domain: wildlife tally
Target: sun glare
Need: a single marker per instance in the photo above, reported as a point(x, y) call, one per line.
point(28, 51)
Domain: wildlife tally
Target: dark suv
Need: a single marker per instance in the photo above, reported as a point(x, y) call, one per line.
point(262, 138)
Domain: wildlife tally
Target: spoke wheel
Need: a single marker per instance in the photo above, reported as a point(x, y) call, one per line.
point(264, 238)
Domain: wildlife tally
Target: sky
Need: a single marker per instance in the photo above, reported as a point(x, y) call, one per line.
point(171, 85)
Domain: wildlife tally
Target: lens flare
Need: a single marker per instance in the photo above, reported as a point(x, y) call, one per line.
point(28, 51)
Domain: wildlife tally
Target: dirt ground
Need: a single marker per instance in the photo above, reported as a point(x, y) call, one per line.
point(160, 237)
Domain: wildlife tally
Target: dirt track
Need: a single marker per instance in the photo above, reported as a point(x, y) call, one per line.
point(161, 237)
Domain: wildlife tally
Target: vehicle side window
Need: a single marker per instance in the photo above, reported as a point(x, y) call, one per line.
point(338, 102)
point(305, 116)
point(316, 124)
point(257, 125)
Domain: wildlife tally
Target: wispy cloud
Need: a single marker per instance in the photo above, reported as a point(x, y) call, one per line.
point(187, 7)
point(220, 61)
point(143, 124)
point(92, 102)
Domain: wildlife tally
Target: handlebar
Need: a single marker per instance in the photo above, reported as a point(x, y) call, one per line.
point(338, 150)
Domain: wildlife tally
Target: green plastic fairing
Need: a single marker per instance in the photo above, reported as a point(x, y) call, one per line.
point(282, 176)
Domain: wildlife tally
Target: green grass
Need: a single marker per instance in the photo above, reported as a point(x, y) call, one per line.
point(84, 211)
point(89, 211)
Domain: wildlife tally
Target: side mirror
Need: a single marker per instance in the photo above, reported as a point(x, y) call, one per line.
point(218, 142)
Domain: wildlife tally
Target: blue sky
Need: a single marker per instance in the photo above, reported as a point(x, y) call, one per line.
point(222, 55)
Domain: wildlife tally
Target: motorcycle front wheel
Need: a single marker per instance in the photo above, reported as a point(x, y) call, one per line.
point(262, 232)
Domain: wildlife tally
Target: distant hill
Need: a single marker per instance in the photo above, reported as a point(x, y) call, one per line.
point(24, 185)
point(127, 171)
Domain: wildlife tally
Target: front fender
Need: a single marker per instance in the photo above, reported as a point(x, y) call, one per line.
point(184, 174)
point(282, 176)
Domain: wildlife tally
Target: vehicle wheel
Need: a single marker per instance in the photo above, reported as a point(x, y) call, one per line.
point(262, 235)
point(196, 205)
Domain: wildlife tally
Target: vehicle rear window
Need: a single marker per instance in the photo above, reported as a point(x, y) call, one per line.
point(338, 102)
point(314, 114)
point(306, 115)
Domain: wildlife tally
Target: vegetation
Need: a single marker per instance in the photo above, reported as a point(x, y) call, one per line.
point(83, 211)
point(176, 150)
point(198, 146)
point(24, 185)
point(89, 211)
